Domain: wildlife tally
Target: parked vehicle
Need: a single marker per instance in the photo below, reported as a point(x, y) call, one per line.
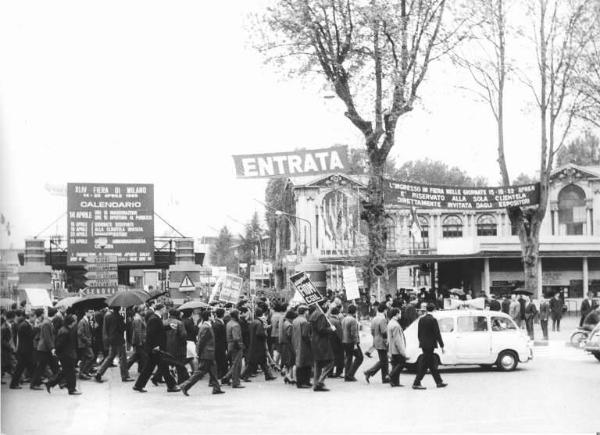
point(475, 337)
point(579, 337)
point(592, 344)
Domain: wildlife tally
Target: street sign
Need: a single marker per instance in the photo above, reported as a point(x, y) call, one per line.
point(187, 284)
point(102, 274)
point(305, 288)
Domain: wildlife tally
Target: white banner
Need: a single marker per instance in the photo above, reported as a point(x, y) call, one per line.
point(351, 283)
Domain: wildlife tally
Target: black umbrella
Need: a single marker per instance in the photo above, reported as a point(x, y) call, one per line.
point(127, 298)
point(192, 305)
point(520, 291)
point(156, 294)
point(90, 302)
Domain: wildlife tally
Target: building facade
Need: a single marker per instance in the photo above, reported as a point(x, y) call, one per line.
point(478, 251)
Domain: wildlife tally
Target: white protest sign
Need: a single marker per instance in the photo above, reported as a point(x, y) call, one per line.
point(350, 283)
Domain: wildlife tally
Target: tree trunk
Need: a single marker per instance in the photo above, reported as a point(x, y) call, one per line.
point(374, 215)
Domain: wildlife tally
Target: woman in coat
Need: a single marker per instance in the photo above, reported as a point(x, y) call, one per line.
point(286, 349)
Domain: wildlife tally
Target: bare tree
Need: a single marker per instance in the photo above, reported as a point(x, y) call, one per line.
point(588, 73)
point(374, 55)
point(560, 39)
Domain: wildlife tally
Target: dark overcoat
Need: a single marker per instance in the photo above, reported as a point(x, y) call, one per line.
point(320, 334)
point(258, 337)
point(301, 342)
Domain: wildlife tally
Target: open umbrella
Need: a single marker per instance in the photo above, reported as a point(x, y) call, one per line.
point(457, 291)
point(90, 302)
point(192, 305)
point(127, 298)
point(68, 301)
point(6, 302)
point(156, 294)
point(520, 291)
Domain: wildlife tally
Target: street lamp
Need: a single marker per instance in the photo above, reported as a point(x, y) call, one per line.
point(282, 213)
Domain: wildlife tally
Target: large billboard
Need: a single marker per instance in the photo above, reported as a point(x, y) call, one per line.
point(110, 219)
point(460, 198)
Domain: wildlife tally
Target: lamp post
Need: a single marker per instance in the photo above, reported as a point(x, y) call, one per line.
point(282, 213)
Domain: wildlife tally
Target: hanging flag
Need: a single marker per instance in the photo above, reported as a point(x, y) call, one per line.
point(415, 227)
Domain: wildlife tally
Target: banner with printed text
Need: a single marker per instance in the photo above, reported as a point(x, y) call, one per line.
point(460, 198)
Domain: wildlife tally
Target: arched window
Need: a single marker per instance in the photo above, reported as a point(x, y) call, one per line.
point(571, 210)
point(486, 225)
point(452, 226)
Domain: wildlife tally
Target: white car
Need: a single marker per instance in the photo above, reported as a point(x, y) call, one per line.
point(475, 337)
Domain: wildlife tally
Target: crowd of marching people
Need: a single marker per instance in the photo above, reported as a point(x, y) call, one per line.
point(230, 344)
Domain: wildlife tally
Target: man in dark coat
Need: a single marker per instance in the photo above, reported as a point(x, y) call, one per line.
point(84, 345)
point(302, 348)
point(138, 338)
point(24, 350)
point(235, 348)
point(244, 314)
point(114, 325)
point(495, 304)
point(220, 342)
point(45, 348)
point(206, 357)
point(506, 305)
point(531, 312)
point(320, 345)
point(587, 306)
point(351, 342)
point(257, 353)
point(556, 306)
point(66, 350)
point(336, 343)
point(429, 338)
point(177, 344)
point(156, 341)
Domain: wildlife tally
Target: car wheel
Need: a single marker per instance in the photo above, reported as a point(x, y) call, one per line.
point(507, 361)
point(577, 338)
point(597, 355)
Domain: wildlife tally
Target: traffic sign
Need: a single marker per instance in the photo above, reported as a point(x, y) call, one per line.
point(186, 284)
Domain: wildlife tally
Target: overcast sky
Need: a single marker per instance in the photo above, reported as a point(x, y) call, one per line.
point(165, 92)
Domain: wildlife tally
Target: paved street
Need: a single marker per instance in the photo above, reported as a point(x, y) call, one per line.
point(557, 392)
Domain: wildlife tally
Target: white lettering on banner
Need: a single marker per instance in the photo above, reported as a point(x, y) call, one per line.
point(292, 163)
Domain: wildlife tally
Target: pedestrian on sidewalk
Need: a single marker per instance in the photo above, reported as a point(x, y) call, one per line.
point(396, 346)
point(138, 337)
point(24, 351)
point(544, 315)
point(321, 331)
point(257, 354)
point(531, 313)
point(379, 333)
point(235, 349)
point(302, 348)
point(556, 311)
point(84, 345)
point(286, 349)
point(45, 348)
point(429, 339)
point(114, 326)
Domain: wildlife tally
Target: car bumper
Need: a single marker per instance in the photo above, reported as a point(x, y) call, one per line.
point(528, 356)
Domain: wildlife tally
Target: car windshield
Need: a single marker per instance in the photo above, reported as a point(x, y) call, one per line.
point(502, 324)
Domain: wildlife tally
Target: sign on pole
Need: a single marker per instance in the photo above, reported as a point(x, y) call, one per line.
point(295, 163)
point(231, 289)
point(350, 283)
point(305, 288)
point(102, 276)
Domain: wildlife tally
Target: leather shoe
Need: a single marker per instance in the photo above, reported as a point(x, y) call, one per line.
point(219, 391)
point(84, 377)
point(75, 393)
point(36, 387)
point(15, 387)
point(140, 389)
point(419, 387)
point(321, 388)
point(98, 378)
point(127, 380)
point(173, 390)
point(442, 385)
point(270, 378)
point(246, 380)
point(367, 376)
point(185, 391)
point(302, 386)
point(48, 387)
point(395, 385)
point(352, 379)
point(225, 382)
point(238, 386)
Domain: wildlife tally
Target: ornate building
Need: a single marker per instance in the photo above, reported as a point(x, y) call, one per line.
point(477, 251)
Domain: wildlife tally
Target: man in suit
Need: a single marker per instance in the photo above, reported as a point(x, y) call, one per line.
point(396, 346)
point(335, 342)
point(24, 350)
point(531, 312)
point(84, 345)
point(379, 333)
point(495, 304)
point(321, 346)
point(114, 325)
point(177, 344)
point(138, 337)
point(429, 338)
point(587, 306)
point(515, 310)
point(351, 343)
point(235, 349)
point(66, 350)
point(257, 354)
point(302, 348)
point(156, 340)
point(556, 306)
point(220, 342)
point(506, 305)
point(45, 350)
point(544, 315)
point(206, 357)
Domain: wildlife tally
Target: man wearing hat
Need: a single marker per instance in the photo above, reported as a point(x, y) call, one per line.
point(429, 338)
